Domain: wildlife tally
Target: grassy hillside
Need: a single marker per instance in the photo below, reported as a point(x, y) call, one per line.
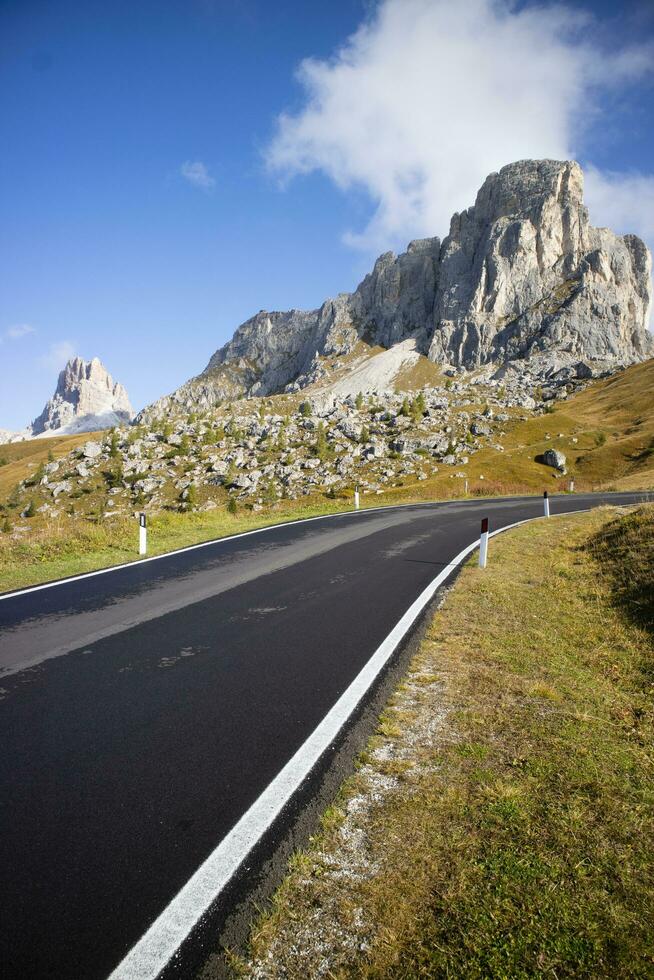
point(612, 422)
point(606, 433)
point(19, 459)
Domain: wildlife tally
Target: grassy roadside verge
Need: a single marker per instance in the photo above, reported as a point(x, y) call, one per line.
point(54, 548)
point(66, 546)
point(501, 821)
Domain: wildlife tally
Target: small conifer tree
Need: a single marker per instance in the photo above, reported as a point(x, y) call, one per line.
point(113, 444)
point(322, 446)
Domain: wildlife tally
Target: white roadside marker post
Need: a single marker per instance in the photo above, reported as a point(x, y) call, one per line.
point(546, 504)
point(483, 543)
point(143, 535)
point(356, 499)
point(571, 486)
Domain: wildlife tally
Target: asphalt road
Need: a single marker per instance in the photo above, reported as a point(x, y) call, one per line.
point(144, 710)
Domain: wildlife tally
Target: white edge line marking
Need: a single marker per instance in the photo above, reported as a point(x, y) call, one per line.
point(157, 947)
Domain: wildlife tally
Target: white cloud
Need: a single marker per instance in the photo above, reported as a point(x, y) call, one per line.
point(17, 331)
point(197, 174)
point(430, 96)
point(58, 355)
point(623, 202)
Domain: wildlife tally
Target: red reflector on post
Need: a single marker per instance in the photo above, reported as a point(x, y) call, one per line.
point(484, 525)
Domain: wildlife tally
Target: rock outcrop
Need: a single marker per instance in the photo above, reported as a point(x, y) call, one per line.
point(521, 277)
point(86, 398)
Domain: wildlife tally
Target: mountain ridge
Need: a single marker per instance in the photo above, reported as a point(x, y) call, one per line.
point(521, 277)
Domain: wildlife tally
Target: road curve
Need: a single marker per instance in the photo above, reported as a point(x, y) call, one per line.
point(143, 711)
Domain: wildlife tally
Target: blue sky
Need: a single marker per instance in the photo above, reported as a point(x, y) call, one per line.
point(151, 198)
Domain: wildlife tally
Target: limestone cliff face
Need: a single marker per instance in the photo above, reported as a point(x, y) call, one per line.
point(86, 398)
point(521, 275)
point(523, 271)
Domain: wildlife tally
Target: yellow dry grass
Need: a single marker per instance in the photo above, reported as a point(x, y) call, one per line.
point(22, 458)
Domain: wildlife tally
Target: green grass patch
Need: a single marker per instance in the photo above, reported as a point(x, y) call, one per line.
point(625, 550)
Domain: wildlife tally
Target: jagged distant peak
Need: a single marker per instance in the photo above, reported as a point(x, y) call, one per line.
point(86, 398)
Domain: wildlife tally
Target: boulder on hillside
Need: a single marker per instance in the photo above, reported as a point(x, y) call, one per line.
point(555, 458)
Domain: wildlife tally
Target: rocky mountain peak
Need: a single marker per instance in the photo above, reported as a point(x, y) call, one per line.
point(522, 282)
point(78, 370)
point(86, 398)
point(526, 187)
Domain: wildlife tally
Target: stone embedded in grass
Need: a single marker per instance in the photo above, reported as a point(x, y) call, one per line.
point(90, 450)
point(64, 487)
point(149, 484)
